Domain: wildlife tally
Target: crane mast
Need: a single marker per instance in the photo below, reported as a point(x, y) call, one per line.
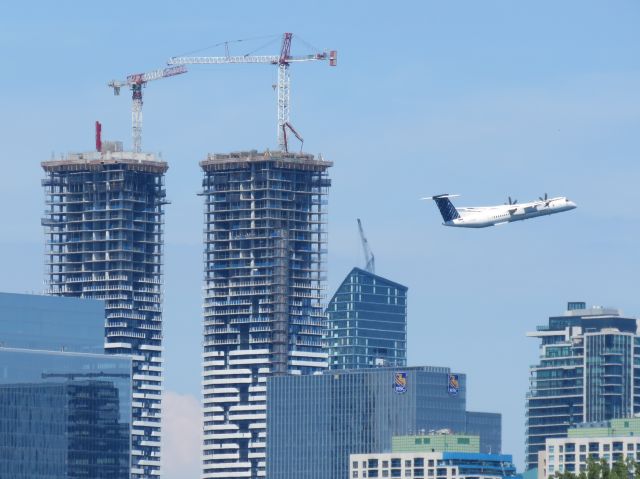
point(283, 61)
point(136, 82)
point(369, 258)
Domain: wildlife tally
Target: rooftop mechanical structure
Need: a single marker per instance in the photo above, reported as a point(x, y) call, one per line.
point(265, 243)
point(104, 228)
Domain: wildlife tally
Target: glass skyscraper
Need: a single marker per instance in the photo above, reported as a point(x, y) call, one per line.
point(367, 322)
point(65, 406)
point(589, 363)
point(316, 421)
point(104, 228)
point(265, 243)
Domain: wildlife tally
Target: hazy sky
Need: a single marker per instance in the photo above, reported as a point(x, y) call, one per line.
point(481, 98)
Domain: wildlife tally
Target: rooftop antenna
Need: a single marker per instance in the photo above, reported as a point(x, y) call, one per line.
point(369, 258)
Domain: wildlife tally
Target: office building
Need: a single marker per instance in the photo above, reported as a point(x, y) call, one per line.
point(104, 230)
point(265, 243)
point(367, 322)
point(65, 406)
point(614, 440)
point(441, 456)
point(586, 373)
point(316, 422)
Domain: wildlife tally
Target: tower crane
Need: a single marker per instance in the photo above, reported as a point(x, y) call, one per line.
point(282, 61)
point(369, 258)
point(136, 82)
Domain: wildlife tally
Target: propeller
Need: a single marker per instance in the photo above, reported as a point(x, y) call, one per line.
point(545, 199)
point(511, 202)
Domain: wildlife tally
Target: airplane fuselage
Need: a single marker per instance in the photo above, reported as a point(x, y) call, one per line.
point(483, 216)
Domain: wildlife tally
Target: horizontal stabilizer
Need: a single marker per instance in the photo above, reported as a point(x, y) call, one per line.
point(435, 197)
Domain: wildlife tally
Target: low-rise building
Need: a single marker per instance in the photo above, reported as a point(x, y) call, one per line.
point(610, 440)
point(433, 456)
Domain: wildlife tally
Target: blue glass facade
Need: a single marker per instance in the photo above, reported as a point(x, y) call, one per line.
point(315, 422)
point(479, 465)
point(63, 414)
point(367, 322)
point(51, 323)
point(589, 370)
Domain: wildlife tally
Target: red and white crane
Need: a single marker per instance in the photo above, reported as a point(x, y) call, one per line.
point(136, 82)
point(283, 61)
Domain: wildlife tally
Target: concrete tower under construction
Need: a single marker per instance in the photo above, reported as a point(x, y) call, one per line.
point(104, 228)
point(264, 253)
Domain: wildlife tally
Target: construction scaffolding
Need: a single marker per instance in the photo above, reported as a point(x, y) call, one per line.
point(104, 228)
point(265, 245)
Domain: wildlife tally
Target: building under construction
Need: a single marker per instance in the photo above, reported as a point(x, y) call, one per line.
point(264, 253)
point(104, 228)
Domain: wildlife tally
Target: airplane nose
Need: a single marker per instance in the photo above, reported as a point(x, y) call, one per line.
point(572, 204)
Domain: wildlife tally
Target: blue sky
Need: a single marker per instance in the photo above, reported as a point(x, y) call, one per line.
point(485, 99)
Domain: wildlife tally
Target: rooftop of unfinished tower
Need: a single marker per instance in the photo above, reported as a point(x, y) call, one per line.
point(111, 154)
point(287, 159)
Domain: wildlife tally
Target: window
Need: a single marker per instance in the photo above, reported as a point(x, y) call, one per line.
point(385, 463)
point(355, 464)
point(583, 448)
point(629, 447)
point(407, 472)
point(418, 462)
point(355, 474)
point(407, 463)
point(606, 447)
point(418, 472)
point(385, 473)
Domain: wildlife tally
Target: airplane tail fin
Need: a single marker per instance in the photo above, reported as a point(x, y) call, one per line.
point(447, 210)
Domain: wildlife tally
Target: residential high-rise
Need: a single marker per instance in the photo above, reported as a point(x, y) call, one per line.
point(589, 362)
point(65, 406)
point(367, 322)
point(316, 421)
point(104, 229)
point(264, 254)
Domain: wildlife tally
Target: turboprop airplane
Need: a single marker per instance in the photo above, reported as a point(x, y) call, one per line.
point(483, 216)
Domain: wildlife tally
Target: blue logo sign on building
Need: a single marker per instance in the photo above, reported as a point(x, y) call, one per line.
point(454, 384)
point(400, 383)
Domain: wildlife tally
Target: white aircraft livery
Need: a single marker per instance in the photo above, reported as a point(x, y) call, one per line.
point(483, 216)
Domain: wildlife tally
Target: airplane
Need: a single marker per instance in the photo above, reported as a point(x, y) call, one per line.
point(483, 216)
